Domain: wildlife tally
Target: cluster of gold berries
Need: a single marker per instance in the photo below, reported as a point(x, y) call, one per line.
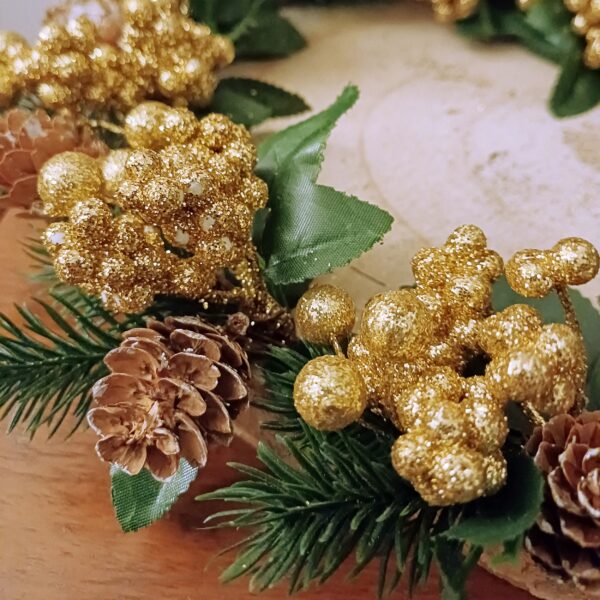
point(587, 23)
point(159, 53)
point(438, 363)
point(162, 217)
point(448, 11)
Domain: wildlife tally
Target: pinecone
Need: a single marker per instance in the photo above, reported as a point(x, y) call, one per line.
point(27, 141)
point(174, 387)
point(566, 537)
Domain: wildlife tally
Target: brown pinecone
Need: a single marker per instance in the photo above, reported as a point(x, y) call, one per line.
point(566, 537)
point(27, 140)
point(173, 387)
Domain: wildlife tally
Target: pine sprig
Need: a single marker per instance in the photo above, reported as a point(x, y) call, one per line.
point(340, 497)
point(324, 497)
point(49, 364)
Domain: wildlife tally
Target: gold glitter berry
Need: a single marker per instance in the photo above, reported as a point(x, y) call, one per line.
point(138, 224)
point(325, 313)
point(416, 348)
point(329, 393)
point(139, 49)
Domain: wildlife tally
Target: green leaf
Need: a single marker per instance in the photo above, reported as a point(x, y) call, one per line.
point(594, 386)
point(255, 26)
point(139, 500)
point(506, 515)
point(545, 29)
point(577, 88)
point(271, 36)
point(311, 229)
point(250, 102)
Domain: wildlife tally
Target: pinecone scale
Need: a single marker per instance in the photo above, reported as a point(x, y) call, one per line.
point(174, 388)
point(566, 538)
point(27, 140)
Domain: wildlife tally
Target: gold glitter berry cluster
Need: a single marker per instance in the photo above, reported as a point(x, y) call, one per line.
point(159, 54)
point(162, 217)
point(448, 11)
point(441, 365)
point(587, 23)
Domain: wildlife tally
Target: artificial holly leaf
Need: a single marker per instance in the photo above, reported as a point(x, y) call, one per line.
point(545, 29)
point(250, 102)
point(255, 26)
point(139, 500)
point(577, 88)
point(505, 516)
point(541, 28)
point(311, 229)
point(551, 310)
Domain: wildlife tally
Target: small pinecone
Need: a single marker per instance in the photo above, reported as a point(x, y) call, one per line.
point(27, 140)
point(566, 537)
point(173, 388)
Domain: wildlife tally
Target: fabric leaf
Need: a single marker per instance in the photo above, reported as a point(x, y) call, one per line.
point(139, 500)
point(250, 102)
point(506, 515)
point(255, 26)
point(311, 229)
point(544, 29)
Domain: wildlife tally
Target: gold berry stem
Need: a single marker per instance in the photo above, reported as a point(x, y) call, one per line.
point(572, 321)
point(102, 124)
point(570, 315)
point(337, 347)
point(533, 415)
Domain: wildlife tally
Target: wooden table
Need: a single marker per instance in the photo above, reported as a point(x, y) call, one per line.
point(445, 133)
point(59, 538)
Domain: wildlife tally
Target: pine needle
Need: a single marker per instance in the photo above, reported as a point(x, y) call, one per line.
point(49, 364)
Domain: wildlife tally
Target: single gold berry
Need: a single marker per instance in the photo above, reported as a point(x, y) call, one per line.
point(394, 321)
point(67, 178)
point(531, 273)
point(325, 313)
point(329, 393)
point(578, 260)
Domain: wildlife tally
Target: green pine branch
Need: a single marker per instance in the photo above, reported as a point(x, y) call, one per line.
point(49, 364)
point(341, 497)
point(325, 497)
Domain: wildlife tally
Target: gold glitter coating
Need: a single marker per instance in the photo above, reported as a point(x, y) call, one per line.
point(448, 11)
point(136, 50)
point(441, 365)
point(325, 313)
point(534, 273)
point(67, 178)
point(329, 393)
point(140, 224)
point(586, 22)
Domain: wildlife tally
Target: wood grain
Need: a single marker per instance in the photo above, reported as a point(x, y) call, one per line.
point(58, 535)
point(445, 132)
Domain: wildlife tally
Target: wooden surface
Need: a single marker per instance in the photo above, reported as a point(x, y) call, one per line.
point(59, 538)
point(445, 133)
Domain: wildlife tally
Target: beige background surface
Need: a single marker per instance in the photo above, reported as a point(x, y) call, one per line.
point(445, 132)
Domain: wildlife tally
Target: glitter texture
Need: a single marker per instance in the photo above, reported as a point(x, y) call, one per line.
point(440, 365)
point(110, 56)
point(329, 393)
point(325, 313)
point(167, 220)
